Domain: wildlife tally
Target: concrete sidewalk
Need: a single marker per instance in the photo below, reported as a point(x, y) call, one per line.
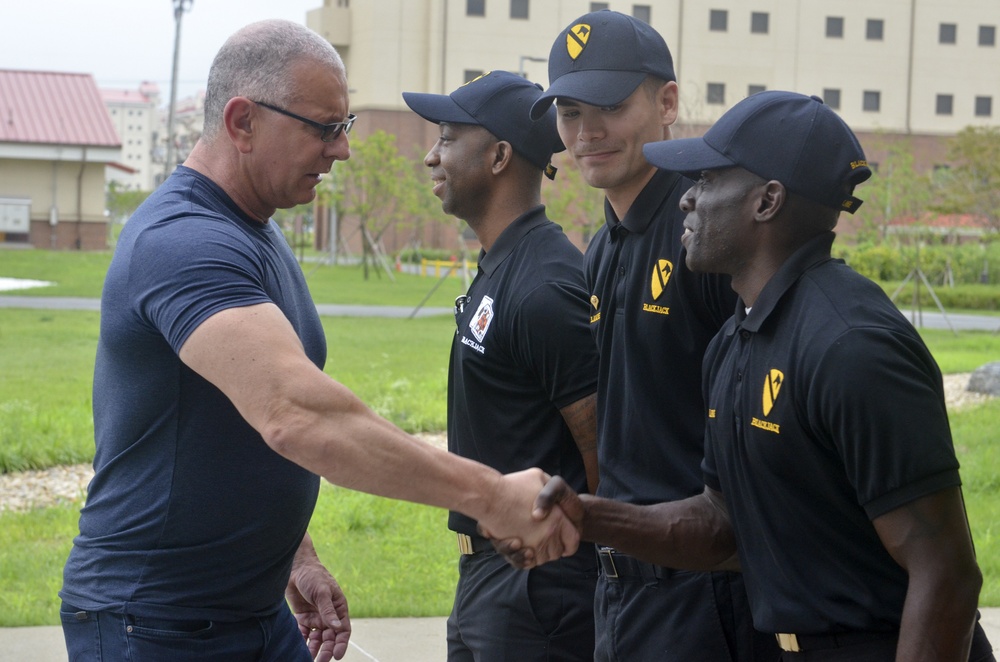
point(372, 640)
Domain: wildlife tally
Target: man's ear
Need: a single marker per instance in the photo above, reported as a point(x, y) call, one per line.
point(773, 197)
point(503, 153)
point(667, 101)
point(240, 119)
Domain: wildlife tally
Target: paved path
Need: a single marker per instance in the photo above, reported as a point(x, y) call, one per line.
point(926, 319)
point(331, 309)
point(373, 640)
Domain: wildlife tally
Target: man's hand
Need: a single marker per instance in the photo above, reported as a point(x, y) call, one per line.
point(556, 497)
point(549, 535)
point(319, 605)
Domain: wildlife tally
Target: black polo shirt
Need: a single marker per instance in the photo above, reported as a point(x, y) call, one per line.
point(652, 319)
point(825, 410)
point(522, 352)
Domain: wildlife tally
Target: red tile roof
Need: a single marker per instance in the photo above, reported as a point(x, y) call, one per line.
point(53, 108)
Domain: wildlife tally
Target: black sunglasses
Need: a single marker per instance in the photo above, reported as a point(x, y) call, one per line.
point(328, 132)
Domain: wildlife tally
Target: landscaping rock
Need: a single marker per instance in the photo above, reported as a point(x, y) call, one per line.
point(985, 379)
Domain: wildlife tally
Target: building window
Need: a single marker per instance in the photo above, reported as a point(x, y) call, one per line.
point(835, 27)
point(984, 106)
point(598, 6)
point(642, 12)
point(874, 28)
point(716, 93)
point(718, 20)
point(754, 89)
point(987, 35)
point(759, 22)
point(947, 33)
point(944, 104)
point(831, 97)
point(519, 9)
point(472, 74)
point(475, 7)
point(872, 101)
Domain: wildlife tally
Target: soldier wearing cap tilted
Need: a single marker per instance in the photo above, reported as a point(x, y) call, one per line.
point(829, 464)
point(612, 80)
point(523, 373)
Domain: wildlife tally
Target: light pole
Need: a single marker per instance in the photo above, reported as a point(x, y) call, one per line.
point(180, 6)
point(528, 58)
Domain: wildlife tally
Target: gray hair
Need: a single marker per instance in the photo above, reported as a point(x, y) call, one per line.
point(256, 61)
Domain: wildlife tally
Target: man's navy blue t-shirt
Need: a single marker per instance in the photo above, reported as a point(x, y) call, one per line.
point(190, 514)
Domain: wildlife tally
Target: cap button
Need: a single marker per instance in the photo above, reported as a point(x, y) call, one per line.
point(815, 98)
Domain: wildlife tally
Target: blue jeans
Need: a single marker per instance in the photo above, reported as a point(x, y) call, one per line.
point(101, 636)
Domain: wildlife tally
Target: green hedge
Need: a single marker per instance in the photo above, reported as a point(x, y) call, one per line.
point(946, 265)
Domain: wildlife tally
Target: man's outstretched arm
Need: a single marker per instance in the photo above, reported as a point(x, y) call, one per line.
point(253, 356)
point(691, 534)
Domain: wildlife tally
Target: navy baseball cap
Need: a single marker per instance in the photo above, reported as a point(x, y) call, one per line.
point(499, 102)
point(792, 138)
point(601, 58)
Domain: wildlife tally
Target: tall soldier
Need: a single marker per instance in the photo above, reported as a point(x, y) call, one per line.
point(612, 79)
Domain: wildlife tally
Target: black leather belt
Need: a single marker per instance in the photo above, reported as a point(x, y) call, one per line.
point(616, 565)
point(468, 545)
point(794, 643)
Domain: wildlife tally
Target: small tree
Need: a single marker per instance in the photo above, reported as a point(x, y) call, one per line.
point(572, 202)
point(972, 185)
point(895, 191)
point(376, 186)
point(121, 202)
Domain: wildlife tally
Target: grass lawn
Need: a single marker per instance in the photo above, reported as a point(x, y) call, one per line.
point(393, 558)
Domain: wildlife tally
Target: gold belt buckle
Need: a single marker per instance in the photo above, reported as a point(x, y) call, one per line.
point(610, 570)
point(465, 544)
point(788, 642)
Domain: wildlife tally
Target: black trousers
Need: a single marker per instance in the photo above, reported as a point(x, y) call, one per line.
point(502, 614)
point(653, 613)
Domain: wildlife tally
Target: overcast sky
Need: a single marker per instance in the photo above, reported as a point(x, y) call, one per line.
point(124, 42)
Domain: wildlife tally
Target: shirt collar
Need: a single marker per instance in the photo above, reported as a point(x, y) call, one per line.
point(509, 238)
point(813, 252)
point(647, 204)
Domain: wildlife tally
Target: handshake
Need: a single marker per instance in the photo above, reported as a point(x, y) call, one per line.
point(689, 534)
point(547, 529)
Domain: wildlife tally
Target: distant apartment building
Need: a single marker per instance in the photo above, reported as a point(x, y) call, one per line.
point(135, 115)
point(189, 118)
point(920, 68)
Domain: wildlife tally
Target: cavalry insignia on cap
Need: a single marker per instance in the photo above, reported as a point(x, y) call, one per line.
point(772, 384)
point(576, 39)
point(483, 75)
point(661, 276)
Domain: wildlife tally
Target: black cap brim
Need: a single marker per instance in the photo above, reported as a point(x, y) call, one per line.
point(595, 88)
point(437, 108)
point(688, 156)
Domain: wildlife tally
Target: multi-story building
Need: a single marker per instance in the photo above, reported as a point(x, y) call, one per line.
point(134, 114)
point(923, 69)
point(189, 118)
